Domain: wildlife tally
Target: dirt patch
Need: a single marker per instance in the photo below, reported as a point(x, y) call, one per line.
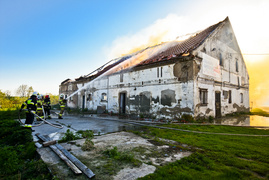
point(121, 155)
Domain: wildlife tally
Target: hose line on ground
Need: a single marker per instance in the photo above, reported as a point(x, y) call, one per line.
point(43, 121)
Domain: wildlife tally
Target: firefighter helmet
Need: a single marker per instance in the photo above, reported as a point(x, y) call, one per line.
point(62, 96)
point(34, 93)
point(47, 96)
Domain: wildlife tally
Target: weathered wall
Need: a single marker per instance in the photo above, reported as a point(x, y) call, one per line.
point(170, 90)
point(161, 94)
point(222, 45)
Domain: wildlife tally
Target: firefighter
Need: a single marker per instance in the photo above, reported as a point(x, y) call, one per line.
point(39, 109)
point(62, 103)
point(31, 105)
point(47, 106)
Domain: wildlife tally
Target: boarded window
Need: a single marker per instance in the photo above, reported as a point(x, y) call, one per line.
point(230, 96)
point(203, 97)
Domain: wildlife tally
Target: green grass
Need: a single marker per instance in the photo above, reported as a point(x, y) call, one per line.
point(216, 156)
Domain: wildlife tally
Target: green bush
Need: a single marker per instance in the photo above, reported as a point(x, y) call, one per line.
point(10, 160)
point(86, 134)
point(18, 155)
point(69, 136)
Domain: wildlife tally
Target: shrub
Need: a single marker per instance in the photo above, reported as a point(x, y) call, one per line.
point(69, 136)
point(10, 160)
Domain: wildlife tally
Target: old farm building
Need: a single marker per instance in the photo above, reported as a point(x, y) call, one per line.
point(203, 75)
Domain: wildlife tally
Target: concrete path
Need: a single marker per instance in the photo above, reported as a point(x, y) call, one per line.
point(75, 123)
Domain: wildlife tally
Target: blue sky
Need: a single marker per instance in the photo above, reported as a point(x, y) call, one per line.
point(42, 43)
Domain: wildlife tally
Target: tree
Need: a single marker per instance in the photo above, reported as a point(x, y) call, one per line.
point(22, 90)
point(30, 91)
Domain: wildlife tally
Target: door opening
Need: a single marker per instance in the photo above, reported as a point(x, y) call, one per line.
point(217, 104)
point(83, 102)
point(122, 103)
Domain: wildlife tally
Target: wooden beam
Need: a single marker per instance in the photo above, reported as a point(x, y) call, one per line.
point(61, 155)
point(77, 162)
point(48, 143)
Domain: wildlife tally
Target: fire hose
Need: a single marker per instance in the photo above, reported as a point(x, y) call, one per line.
point(43, 120)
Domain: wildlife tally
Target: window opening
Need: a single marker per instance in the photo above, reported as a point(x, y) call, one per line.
point(236, 66)
point(121, 77)
point(230, 96)
point(104, 97)
point(89, 98)
point(220, 60)
point(203, 96)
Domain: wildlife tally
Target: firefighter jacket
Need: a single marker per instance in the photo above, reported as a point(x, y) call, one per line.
point(46, 103)
point(30, 104)
point(39, 105)
point(62, 103)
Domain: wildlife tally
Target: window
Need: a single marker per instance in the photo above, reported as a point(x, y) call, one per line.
point(241, 98)
point(89, 98)
point(121, 77)
point(203, 97)
point(220, 60)
point(230, 96)
point(236, 66)
point(70, 87)
point(104, 97)
point(225, 94)
point(160, 72)
point(65, 96)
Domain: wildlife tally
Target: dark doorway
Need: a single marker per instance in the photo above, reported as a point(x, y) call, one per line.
point(83, 102)
point(217, 104)
point(122, 103)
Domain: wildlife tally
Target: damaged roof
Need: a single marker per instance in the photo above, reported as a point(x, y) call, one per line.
point(183, 47)
point(66, 81)
point(174, 49)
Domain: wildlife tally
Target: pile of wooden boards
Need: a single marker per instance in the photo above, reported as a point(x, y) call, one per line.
point(76, 166)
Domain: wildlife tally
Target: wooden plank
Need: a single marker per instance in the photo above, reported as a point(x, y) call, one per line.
point(77, 162)
point(61, 155)
point(48, 143)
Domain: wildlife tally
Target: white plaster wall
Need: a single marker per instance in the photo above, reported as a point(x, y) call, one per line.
point(230, 52)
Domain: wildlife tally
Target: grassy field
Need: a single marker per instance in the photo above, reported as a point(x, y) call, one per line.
point(215, 156)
